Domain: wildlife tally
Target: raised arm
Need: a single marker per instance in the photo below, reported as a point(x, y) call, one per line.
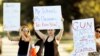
point(12, 38)
point(41, 35)
point(26, 39)
point(59, 35)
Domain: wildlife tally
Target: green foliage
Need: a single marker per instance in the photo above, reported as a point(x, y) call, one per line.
point(90, 8)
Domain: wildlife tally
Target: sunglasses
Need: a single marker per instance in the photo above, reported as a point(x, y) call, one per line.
point(25, 30)
point(97, 31)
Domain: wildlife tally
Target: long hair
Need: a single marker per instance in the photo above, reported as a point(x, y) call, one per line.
point(25, 26)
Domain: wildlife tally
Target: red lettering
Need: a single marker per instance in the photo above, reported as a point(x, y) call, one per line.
point(37, 24)
point(52, 24)
point(82, 25)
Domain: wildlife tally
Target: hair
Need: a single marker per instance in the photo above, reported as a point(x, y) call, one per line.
point(25, 26)
point(97, 26)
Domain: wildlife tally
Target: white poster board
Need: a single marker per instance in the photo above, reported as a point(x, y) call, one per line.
point(47, 17)
point(78, 54)
point(11, 16)
point(84, 35)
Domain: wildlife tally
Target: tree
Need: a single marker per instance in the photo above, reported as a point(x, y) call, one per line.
point(90, 8)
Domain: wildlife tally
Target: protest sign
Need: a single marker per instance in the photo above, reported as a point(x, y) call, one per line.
point(73, 53)
point(47, 17)
point(11, 16)
point(84, 35)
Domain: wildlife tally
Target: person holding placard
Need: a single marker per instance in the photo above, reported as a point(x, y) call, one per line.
point(98, 37)
point(97, 31)
point(23, 39)
point(51, 41)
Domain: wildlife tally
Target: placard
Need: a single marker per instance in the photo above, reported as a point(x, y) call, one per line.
point(47, 17)
point(11, 16)
point(84, 35)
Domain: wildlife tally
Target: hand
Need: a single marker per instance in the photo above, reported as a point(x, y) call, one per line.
point(22, 36)
point(8, 33)
point(62, 19)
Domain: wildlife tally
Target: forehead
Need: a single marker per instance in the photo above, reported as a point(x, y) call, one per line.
point(25, 28)
point(98, 29)
point(50, 30)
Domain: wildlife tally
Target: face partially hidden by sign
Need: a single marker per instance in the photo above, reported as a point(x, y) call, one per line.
point(98, 33)
point(51, 32)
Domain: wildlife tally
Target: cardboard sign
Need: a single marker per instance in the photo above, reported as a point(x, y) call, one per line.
point(11, 16)
point(47, 17)
point(79, 54)
point(84, 35)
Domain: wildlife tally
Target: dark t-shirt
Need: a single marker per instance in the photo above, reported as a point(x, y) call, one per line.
point(49, 48)
point(23, 47)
